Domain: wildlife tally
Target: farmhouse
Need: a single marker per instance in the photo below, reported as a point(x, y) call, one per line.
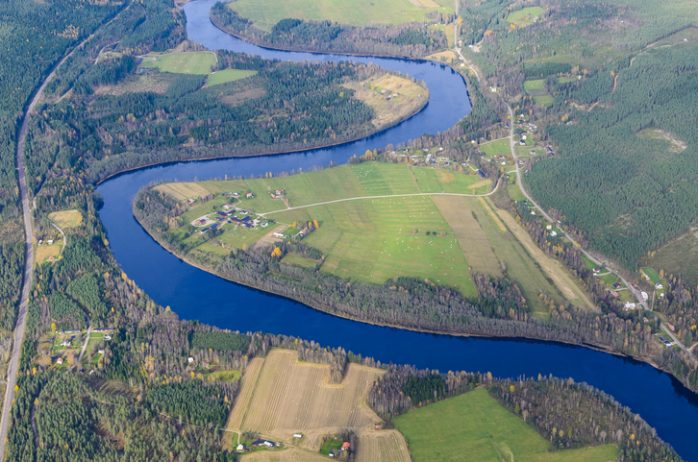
point(277, 193)
point(264, 443)
point(249, 195)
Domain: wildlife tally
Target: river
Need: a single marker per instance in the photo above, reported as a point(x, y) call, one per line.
point(194, 294)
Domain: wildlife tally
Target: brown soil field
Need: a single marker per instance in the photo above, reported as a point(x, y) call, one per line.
point(382, 446)
point(392, 97)
point(281, 395)
point(458, 213)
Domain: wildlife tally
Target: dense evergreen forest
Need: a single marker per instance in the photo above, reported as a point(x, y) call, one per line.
point(630, 165)
point(413, 40)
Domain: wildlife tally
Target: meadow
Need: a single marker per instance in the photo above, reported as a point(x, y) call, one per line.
point(266, 13)
point(71, 218)
point(228, 75)
point(474, 426)
point(377, 221)
point(181, 62)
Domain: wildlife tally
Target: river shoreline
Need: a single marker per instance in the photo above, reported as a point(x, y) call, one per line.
point(199, 295)
point(328, 310)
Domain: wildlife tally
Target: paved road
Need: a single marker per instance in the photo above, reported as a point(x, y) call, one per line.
point(540, 210)
point(28, 277)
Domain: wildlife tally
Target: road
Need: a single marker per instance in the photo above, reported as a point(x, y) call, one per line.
point(386, 196)
point(28, 276)
point(519, 181)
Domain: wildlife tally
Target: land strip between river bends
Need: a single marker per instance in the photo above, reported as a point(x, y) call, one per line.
point(28, 276)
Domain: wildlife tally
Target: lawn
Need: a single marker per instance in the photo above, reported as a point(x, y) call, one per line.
point(266, 13)
point(474, 426)
point(181, 62)
point(227, 75)
point(525, 16)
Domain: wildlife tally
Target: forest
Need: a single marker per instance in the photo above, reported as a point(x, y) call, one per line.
point(412, 40)
point(628, 166)
point(290, 106)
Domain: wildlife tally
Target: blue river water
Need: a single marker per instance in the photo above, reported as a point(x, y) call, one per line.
point(194, 294)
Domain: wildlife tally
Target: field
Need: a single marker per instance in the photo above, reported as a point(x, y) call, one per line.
point(48, 253)
point(496, 148)
point(536, 85)
point(474, 426)
point(392, 97)
point(227, 75)
point(266, 13)
point(66, 218)
point(281, 396)
point(181, 62)
point(536, 89)
point(525, 16)
point(367, 233)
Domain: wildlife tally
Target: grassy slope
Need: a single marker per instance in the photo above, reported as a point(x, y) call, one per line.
point(266, 13)
point(474, 426)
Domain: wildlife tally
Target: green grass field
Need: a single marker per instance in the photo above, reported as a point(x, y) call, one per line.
point(181, 62)
point(525, 16)
point(374, 239)
point(265, 13)
point(543, 100)
point(495, 148)
point(475, 427)
point(228, 75)
point(534, 86)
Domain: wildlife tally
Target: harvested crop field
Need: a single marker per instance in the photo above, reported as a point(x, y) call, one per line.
point(281, 395)
point(458, 212)
point(285, 455)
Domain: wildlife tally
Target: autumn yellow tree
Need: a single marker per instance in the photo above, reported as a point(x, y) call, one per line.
point(276, 253)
